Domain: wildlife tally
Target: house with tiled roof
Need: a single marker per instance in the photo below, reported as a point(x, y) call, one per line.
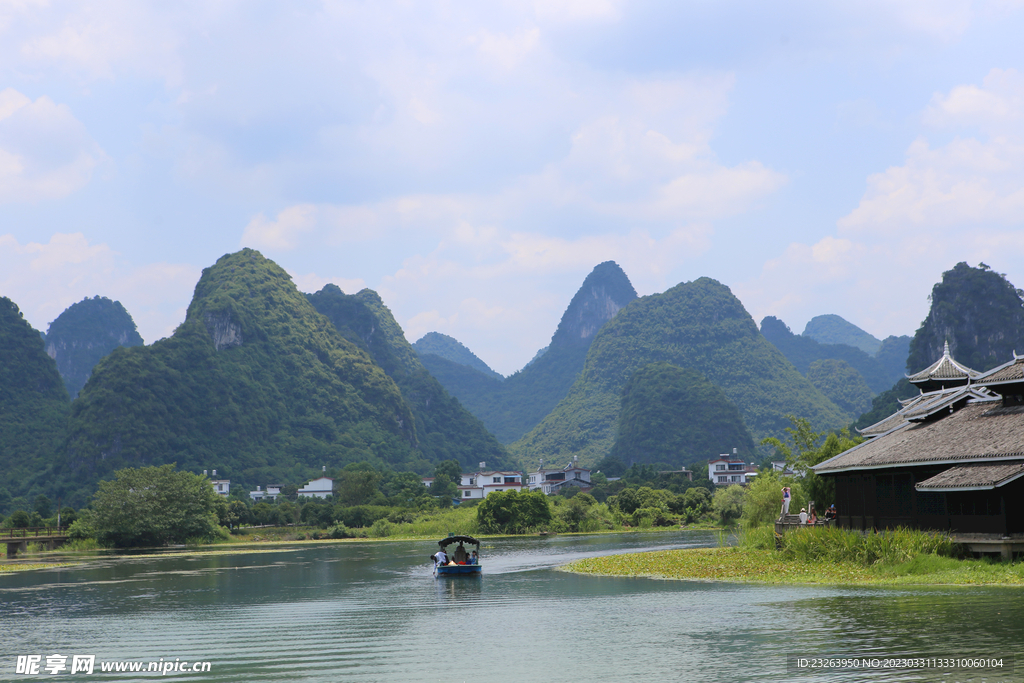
point(951, 458)
point(477, 485)
point(550, 480)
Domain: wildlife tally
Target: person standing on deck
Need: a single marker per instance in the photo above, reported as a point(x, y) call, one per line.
point(785, 500)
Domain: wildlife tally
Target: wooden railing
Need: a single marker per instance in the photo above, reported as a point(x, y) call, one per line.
point(33, 532)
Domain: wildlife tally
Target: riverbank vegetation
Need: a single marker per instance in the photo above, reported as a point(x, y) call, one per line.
point(817, 556)
point(157, 506)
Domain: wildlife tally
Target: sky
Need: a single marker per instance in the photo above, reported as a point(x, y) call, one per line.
point(472, 162)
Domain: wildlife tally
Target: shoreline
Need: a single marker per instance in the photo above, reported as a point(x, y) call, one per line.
point(742, 565)
point(73, 558)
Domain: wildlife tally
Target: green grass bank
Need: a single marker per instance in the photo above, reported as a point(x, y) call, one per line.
point(816, 556)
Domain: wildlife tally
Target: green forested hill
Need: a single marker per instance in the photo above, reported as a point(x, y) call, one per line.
point(86, 332)
point(675, 416)
point(512, 407)
point(833, 329)
point(892, 355)
point(254, 383)
point(445, 430)
point(803, 351)
point(698, 325)
point(450, 348)
point(842, 384)
point(978, 312)
point(33, 407)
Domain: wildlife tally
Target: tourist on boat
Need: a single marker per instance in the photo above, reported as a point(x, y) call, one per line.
point(786, 497)
point(812, 518)
point(474, 558)
point(803, 515)
point(441, 557)
point(830, 513)
point(460, 555)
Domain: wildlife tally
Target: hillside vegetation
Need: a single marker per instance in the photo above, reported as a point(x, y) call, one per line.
point(33, 407)
point(833, 329)
point(86, 332)
point(444, 429)
point(450, 348)
point(802, 351)
point(676, 417)
point(698, 325)
point(978, 312)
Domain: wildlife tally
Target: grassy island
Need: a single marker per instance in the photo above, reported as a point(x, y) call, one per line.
point(816, 556)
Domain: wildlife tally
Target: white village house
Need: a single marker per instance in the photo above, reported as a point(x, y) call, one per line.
point(321, 487)
point(730, 468)
point(272, 492)
point(221, 486)
point(476, 485)
point(554, 480)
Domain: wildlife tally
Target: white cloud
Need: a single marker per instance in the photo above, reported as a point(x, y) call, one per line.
point(102, 40)
point(311, 282)
point(45, 152)
point(958, 201)
point(46, 278)
point(507, 50)
point(996, 106)
point(281, 233)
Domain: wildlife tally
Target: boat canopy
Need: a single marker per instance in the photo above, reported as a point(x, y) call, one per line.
point(444, 543)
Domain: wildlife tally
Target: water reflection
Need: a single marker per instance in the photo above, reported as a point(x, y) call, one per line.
point(373, 612)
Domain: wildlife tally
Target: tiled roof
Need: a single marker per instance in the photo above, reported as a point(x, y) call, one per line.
point(925, 405)
point(944, 368)
point(980, 431)
point(1007, 372)
point(974, 477)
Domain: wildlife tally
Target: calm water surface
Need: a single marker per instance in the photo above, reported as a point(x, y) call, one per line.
point(373, 612)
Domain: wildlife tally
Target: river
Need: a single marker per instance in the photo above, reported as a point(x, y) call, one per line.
point(367, 611)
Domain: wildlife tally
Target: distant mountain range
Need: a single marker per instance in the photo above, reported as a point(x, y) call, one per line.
point(267, 384)
point(698, 326)
point(450, 348)
point(511, 408)
point(832, 329)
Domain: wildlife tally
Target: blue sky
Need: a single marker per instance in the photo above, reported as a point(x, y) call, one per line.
point(472, 162)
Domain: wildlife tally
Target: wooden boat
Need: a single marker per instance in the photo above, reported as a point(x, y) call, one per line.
point(454, 567)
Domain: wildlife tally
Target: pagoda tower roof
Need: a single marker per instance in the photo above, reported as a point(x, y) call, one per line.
point(943, 373)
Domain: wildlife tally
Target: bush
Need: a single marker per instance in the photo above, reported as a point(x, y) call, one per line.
point(382, 528)
point(360, 515)
point(832, 544)
point(339, 530)
point(80, 530)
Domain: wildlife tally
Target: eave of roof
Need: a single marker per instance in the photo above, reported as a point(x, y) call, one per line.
point(973, 477)
point(976, 432)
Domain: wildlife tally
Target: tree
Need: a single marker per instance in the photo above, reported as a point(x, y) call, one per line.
point(448, 470)
point(357, 485)
point(42, 506)
point(728, 503)
point(19, 519)
point(511, 512)
point(763, 503)
point(578, 513)
point(154, 506)
point(238, 514)
point(808, 448)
